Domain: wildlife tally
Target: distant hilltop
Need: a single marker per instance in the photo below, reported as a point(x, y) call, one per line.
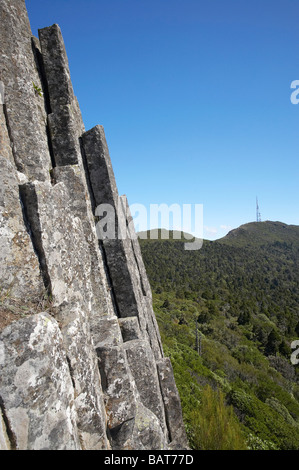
point(164, 234)
point(252, 233)
point(260, 233)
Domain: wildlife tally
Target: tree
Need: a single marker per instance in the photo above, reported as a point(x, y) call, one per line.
point(244, 318)
point(273, 343)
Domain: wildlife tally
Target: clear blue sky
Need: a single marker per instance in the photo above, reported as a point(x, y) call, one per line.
point(194, 97)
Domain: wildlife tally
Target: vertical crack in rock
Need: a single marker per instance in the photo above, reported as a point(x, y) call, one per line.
point(109, 437)
point(19, 266)
point(100, 243)
point(166, 409)
point(42, 74)
point(71, 373)
point(18, 167)
point(28, 200)
point(41, 71)
point(87, 176)
point(103, 375)
point(109, 278)
point(50, 148)
point(9, 432)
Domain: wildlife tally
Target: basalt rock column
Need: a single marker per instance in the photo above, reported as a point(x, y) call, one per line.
point(151, 371)
point(65, 129)
point(24, 108)
point(127, 271)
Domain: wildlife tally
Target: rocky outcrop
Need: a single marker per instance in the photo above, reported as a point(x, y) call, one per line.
point(81, 359)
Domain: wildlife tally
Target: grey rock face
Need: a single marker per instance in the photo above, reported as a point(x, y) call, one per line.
point(143, 366)
point(172, 404)
point(89, 400)
point(119, 388)
point(65, 129)
point(65, 120)
point(24, 107)
point(56, 66)
point(19, 266)
point(36, 390)
point(63, 136)
point(141, 433)
point(65, 259)
point(100, 169)
point(91, 376)
point(105, 331)
point(60, 242)
point(5, 142)
point(130, 329)
point(73, 179)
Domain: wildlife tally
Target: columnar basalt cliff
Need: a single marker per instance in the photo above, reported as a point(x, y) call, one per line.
point(81, 360)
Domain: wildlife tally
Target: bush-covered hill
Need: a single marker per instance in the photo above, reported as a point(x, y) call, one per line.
point(228, 314)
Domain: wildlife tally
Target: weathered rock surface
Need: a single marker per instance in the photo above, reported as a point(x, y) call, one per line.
point(19, 266)
point(121, 396)
point(90, 372)
point(60, 242)
point(65, 129)
point(72, 178)
point(172, 404)
point(140, 433)
point(24, 108)
point(143, 366)
point(5, 142)
point(130, 328)
point(89, 399)
point(37, 396)
point(65, 120)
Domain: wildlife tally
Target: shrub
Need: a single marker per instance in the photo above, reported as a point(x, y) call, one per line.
point(215, 425)
point(265, 422)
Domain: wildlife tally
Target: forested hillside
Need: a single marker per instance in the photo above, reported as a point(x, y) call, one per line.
point(228, 314)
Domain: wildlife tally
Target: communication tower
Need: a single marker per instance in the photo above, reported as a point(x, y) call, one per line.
point(258, 214)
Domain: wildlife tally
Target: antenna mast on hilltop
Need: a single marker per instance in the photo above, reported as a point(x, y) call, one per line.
point(258, 214)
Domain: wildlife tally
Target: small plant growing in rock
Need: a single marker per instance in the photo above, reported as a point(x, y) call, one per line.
point(38, 91)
